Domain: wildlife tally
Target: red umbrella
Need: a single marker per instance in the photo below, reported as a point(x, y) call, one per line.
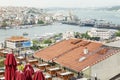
point(28, 74)
point(30, 67)
point(38, 76)
point(17, 73)
point(10, 67)
point(20, 76)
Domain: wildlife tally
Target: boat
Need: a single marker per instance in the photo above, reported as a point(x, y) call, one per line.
point(90, 22)
point(25, 34)
point(70, 22)
point(87, 24)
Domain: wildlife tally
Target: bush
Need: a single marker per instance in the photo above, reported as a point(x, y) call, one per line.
point(118, 33)
point(2, 62)
point(40, 22)
point(48, 41)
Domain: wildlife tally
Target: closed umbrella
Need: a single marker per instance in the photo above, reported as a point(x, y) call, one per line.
point(28, 74)
point(30, 67)
point(10, 67)
point(38, 76)
point(17, 73)
point(20, 76)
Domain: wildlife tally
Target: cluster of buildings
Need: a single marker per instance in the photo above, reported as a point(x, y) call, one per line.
point(14, 16)
point(103, 34)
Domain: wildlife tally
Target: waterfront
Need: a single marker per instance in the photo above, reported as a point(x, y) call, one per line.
point(112, 16)
point(41, 30)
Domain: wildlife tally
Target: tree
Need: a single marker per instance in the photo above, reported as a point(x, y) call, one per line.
point(47, 41)
point(35, 42)
point(2, 62)
point(77, 35)
point(117, 33)
point(35, 45)
point(40, 22)
point(95, 38)
point(85, 35)
point(4, 24)
point(57, 35)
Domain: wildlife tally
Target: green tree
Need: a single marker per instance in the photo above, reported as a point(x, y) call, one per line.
point(77, 35)
point(4, 24)
point(47, 41)
point(35, 42)
point(40, 22)
point(117, 33)
point(57, 35)
point(95, 38)
point(2, 62)
point(85, 35)
point(35, 45)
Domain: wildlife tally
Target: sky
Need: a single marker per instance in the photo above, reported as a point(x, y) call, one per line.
point(60, 3)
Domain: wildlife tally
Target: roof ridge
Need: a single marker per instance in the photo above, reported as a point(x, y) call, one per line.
point(77, 46)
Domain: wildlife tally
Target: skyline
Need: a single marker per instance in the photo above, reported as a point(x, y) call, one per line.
point(60, 3)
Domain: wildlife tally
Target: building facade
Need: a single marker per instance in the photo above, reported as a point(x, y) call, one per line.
point(102, 33)
point(68, 35)
point(17, 42)
point(105, 69)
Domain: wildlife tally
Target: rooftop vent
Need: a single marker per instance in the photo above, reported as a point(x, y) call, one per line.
point(85, 51)
point(82, 59)
point(76, 41)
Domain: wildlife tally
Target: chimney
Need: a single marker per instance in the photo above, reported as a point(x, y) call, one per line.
point(85, 50)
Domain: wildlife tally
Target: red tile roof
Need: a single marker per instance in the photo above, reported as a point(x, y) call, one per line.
point(69, 53)
point(17, 38)
point(54, 50)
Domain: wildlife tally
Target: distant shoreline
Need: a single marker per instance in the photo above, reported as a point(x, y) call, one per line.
point(23, 26)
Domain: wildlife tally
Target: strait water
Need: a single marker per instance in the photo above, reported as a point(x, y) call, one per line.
point(41, 30)
point(112, 16)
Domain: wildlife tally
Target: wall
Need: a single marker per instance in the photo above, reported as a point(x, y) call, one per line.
point(10, 44)
point(87, 72)
point(108, 68)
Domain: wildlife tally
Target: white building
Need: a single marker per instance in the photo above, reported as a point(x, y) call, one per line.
point(68, 35)
point(18, 42)
point(102, 33)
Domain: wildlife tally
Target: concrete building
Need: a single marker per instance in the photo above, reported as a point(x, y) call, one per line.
point(92, 58)
point(68, 35)
point(102, 33)
point(17, 42)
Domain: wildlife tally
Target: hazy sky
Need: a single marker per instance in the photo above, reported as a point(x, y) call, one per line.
point(60, 3)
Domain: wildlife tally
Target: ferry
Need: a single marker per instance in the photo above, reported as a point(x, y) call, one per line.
point(90, 22)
